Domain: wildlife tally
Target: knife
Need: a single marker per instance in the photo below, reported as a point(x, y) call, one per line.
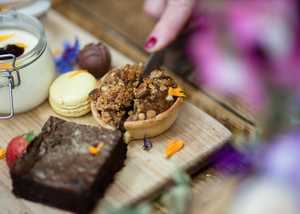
point(155, 60)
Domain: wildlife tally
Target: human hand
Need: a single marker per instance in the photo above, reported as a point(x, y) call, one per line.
point(173, 15)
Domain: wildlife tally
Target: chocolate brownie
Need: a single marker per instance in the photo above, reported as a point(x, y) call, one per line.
point(59, 170)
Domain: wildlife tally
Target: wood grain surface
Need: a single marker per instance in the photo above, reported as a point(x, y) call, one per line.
point(229, 113)
point(145, 173)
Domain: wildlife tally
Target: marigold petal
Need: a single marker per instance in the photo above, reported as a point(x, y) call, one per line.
point(176, 92)
point(5, 66)
point(94, 150)
point(2, 153)
point(4, 37)
point(173, 147)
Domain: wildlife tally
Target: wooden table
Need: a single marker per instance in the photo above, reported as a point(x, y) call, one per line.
point(123, 25)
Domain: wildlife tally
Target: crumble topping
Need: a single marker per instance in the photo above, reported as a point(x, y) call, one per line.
point(150, 96)
point(125, 96)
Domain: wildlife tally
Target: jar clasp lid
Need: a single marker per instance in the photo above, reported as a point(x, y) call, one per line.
point(11, 83)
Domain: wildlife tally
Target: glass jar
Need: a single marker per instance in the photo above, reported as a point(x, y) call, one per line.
point(16, 3)
point(25, 83)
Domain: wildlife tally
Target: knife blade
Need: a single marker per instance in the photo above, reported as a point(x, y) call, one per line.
point(155, 60)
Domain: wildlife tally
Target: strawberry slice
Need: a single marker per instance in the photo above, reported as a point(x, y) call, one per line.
point(17, 147)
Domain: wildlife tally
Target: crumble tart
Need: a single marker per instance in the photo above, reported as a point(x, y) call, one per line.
point(140, 106)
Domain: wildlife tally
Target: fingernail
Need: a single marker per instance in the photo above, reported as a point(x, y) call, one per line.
point(150, 43)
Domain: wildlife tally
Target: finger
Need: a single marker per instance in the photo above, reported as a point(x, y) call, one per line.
point(154, 7)
point(175, 16)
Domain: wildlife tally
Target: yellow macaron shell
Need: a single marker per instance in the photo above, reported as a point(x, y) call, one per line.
point(76, 112)
point(72, 88)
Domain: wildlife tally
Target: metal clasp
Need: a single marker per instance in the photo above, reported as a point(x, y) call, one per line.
point(11, 83)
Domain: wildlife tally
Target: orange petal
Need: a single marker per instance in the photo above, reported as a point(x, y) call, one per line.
point(176, 92)
point(173, 147)
point(4, 37)
point(5, 66)
point(2, 153)
point(94, 150)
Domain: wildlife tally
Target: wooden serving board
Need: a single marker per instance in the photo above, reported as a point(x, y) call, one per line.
point(145, 173)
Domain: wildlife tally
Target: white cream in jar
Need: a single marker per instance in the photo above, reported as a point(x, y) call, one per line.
point(18, 37)
point(35, 66)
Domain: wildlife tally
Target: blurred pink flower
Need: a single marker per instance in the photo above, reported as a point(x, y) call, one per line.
point(269, 26)
point(245, 44)
point(222, 70)
point(287, 68)
point(263, 23)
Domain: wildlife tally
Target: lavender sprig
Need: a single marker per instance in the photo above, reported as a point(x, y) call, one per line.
point(147, 146)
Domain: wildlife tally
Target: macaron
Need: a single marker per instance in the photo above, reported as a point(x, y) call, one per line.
point(68, 94)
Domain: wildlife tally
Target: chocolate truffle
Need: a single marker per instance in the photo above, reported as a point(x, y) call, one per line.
point(95, 58)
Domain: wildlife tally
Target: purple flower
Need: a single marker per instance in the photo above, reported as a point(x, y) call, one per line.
point(231, 161)
point(147, 145)
point(67, 60)
point(281, 160)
